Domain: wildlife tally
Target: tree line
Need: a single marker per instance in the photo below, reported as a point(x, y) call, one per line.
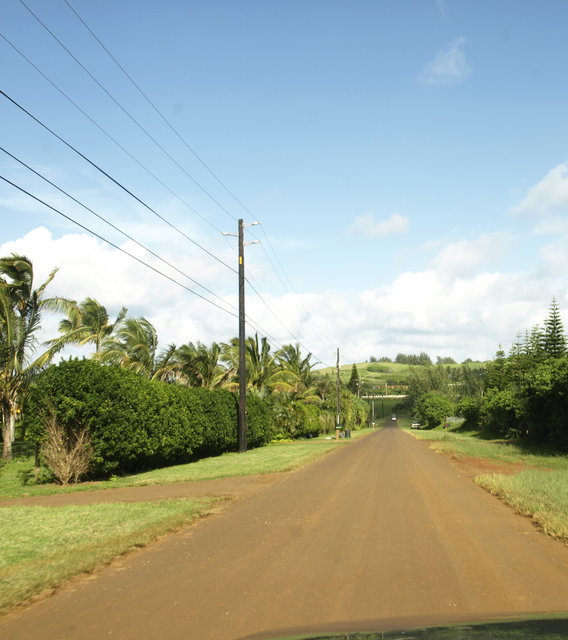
point(300, 404)
point(521, 394)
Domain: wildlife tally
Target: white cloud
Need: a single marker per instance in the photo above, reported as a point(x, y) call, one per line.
point(367, 225)
point(457, 306)
point(87, 267)
point(465, 257)
point(550, 195)
point(449, 65)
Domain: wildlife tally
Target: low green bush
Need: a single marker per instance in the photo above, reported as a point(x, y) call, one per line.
point(375, 367)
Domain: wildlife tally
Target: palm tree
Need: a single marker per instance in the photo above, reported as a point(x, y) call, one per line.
point(20, 317)
point(262, 370)
point(200, 366)
point(132, 347)
point(88, 322)
point(299, 371)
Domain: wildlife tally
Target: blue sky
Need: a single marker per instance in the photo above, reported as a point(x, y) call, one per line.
point(407, 160)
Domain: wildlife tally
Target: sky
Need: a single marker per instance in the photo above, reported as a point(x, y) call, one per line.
point(407, 161)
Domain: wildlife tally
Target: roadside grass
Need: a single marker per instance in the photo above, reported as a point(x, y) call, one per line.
point(541, 495)
point(539, 491)
point(273, 458)
point(43, 546)
point(464, 443)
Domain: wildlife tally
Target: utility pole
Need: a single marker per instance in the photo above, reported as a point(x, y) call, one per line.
point(338, 402)
point(242, 420)
point(242, 411)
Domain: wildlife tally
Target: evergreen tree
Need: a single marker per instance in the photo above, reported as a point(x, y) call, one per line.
point(496, 371)
point(535, 342)
point(553, 338)
point(353, 384)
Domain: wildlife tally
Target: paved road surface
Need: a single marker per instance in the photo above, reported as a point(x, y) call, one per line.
point(381, 528)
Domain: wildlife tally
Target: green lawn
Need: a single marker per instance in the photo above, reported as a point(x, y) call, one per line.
point(273, 458)
point(43, 546)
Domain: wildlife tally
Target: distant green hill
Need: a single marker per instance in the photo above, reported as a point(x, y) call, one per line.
point(389, 377)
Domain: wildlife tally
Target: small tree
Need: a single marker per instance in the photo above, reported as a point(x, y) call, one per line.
point(433, 408)
point(67, 452)
point(353, 384)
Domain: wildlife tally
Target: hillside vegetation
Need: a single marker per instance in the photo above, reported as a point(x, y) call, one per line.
point(381, 378)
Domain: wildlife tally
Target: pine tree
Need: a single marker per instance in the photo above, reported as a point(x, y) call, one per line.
point(353, 384)
point(496, 371)
point(535, 343)
point(554, 339)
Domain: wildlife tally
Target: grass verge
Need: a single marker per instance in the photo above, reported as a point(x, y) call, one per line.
point(541, 495)
point(539, 491)
point(42, 546)
point(273, 458)
point(458, 444)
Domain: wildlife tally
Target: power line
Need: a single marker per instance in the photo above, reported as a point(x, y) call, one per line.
point(290, 288)
point(157, 110)
point(108, 135)
point(250, 321)
point(279, 320)
point(115, 246)
point(185, 143)
point(195, 154)
point(116, 182)
point(113, 226)
point(128, 114)
point(155, 142)
point(272, 312)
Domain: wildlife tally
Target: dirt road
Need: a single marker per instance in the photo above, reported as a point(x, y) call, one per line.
point(382, 528)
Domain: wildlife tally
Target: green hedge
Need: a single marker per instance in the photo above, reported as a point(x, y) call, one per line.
point(137, 424)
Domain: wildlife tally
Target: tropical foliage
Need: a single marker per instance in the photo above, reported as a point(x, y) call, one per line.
point(294, 406)
point(20, 319)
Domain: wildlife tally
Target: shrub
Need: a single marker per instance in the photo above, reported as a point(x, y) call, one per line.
point(260, 420)
point(375, 367)
point(469, 408)
point(432, 409)
point(67, 452)
point(500, 412)
point(137, 424)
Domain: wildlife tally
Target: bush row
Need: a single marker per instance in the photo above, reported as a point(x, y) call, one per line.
point(137, 424)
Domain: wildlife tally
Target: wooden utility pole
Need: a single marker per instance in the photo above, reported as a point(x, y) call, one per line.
point(242, 411)
point(338, 400)
point(242, 420)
